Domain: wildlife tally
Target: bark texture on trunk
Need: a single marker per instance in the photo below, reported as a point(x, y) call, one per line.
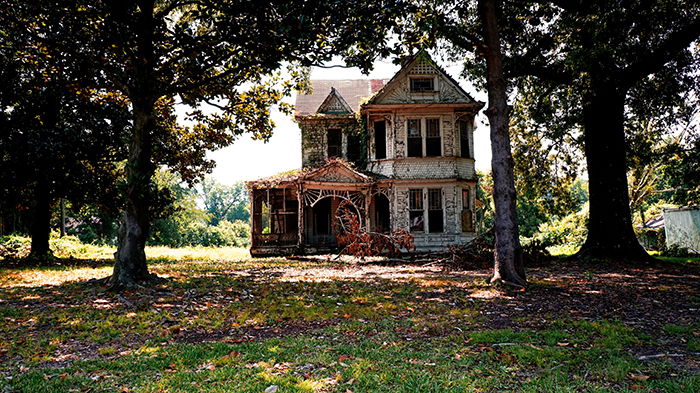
point(610, 232)
point(41, 222)
point(130, 267)
point(508, 267)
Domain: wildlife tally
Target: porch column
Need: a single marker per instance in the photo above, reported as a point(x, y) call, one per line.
point(300, 216)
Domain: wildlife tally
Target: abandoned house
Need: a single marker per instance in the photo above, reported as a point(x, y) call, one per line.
point(400, 151)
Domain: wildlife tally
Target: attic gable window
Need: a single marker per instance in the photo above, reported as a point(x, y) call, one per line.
point(422, 84)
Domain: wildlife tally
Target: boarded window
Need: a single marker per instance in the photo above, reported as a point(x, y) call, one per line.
point(379, 139)
point(433, 144)
point(422, 84)
point(435, 214)
point(415, 139)
point(464, 139)
point(467, 219)
point(415, 207)
point(335, 143)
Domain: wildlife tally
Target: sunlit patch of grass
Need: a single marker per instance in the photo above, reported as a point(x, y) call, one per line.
point(357, 328)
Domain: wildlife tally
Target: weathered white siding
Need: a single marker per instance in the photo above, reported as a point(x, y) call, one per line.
point(452, 207)
point(682, 228)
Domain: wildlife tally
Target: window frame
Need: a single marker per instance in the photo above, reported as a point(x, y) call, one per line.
point(328, 144)
point(424, 212)
point(420, 137)
point(430, 209)
point(464, 135)
point(415, 211)
point(413, 79)
point(374, 129)
point(438, 122)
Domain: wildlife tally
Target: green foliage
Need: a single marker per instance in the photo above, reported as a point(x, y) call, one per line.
point(569, 230)
point(184, 223)
point(14, 246)
point(224, 202)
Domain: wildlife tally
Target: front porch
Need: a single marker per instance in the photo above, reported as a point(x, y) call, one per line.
point(298, 214)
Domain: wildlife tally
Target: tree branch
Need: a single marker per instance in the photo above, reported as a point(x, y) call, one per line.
point(653, 60)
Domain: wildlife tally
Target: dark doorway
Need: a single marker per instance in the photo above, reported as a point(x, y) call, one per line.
point(380, 139)
point(322, 217)
point(382, 222)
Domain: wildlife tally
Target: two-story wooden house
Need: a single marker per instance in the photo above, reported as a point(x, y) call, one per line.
point(400, 151)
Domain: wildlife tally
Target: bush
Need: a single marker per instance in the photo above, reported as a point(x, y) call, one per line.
point(566, 231)
point(14, 246)
point(225, 234)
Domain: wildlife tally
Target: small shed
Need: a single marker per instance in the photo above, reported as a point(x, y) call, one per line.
point(682, 226)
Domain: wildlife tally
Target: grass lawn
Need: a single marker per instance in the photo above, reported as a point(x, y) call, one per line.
point(225, 322)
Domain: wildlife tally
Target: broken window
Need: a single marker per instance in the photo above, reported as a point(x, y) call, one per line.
point(415, 139)
point(433, 143)
point(464, 139)
point(422, 84)
point(435, 216)
point(335, 143)
point(379, 140)
point(415, 208)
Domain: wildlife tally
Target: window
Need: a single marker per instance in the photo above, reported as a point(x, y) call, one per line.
point(467, 219)
point(379, 139)
point(415, 139)
point(464, 139)
point(422, 84)
point(435, 222)
point(415, 210)
point(433, 144)
point(335, 143)
point(353, 149)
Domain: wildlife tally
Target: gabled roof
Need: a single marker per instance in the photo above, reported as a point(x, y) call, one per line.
point(351, 90)
point(337, 171)
point(411, 62)
point(334, 104)
point(334, 171)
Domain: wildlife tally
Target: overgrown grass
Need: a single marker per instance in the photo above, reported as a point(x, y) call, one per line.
point(227, 323)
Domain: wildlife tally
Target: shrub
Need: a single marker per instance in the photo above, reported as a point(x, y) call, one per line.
point(14, 246)
point(569, 230)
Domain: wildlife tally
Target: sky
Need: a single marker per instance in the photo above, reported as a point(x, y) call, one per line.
point(248, 159)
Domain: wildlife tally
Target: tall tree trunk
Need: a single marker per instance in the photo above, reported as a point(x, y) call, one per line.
point(508, 267)
point(41, 222)
point(63, 217)
point(130, 267)
point(610, 233)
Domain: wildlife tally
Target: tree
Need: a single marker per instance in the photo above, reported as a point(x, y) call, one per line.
point(224, 202)
point(600, 53)
point(59, 139)
point(219, 54)
point(508, 263)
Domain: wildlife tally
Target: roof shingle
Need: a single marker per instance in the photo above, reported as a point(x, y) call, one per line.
point(352, 90)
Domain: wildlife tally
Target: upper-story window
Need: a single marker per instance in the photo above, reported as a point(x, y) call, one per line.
point(335, 143)
point(464, 139)
point(422, 84)
point(433, 143)
point(415, 139)
point(379, 140)
point(419, 142)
